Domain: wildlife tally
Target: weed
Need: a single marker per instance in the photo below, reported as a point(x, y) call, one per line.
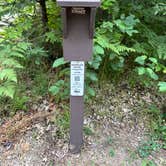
point(110, 140)
point(146, 162)
point(40, 83)
point(112, 152)
point(51, 163)
point(132, 156)
point(146, 148)
point(87, 131)
point(157, 139)
point(18, 103)
point(62, 120)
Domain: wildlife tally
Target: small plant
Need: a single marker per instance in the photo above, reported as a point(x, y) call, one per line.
point(40, 82)
point(162, 86)
point(110, 140)
point(60, 89)
point(146, 148)
point(147, 162)
point(62, 120)
point(19, 104)
point(9, 65)
point(157, 139)
point(158, 124)
point(87, 131)
point(112, 152)
point(127, 24)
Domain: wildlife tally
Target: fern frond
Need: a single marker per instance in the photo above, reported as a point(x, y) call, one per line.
point(120, 48)
point(8, 74)
point(7, 90)
point(12, 63)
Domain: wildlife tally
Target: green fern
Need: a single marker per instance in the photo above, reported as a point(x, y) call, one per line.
point(8, 89)
point(157, 43)
point(8, 74)
point(117, 48)
point(9, 63)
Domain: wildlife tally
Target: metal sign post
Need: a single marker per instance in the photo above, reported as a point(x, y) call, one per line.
point(77, 71)
point(78, 20)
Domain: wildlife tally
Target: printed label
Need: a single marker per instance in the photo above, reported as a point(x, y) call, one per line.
point(77, 78)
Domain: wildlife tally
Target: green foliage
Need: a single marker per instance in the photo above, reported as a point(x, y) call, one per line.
point(127, 24)
point(146, 148)
point(157, 139)
point(62, 121)
point(147, 162)
point(147, 71)
point(111, 7)
point(18, 104)
point(151, 65)
point(141, 59)
point(59, 62)
point(162, 86)
point(112, 152)
point(110, 140)
point(40, 82)
point(60, 89)
point(88, 131)
point(52, 37)
point(126, 38)
point(90, 79)
point(107, 3)
point(109, 52)
point(9, 64)
point(16, 46)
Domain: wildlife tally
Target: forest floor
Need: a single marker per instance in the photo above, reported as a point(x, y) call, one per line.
point(116, 123)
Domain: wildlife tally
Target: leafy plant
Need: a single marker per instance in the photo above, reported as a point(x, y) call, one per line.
point(146, 148)
point(18, 104)
point(109, 52)
point(40, 82)
point(9, 64)
point(147, 162)
point(87, 131)
point(15, 47)
point(127, 24)
point(62, 121)
point(157, 138)
point(58, 62)
point(112, 152)
point(60, 89)
point(162, 86)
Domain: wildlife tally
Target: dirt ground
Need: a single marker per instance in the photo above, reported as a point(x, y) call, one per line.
point(116, 123)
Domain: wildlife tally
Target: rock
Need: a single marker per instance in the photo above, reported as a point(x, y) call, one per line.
point(126, 110)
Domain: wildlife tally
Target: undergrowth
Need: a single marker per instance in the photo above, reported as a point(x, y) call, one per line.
point(157, 137)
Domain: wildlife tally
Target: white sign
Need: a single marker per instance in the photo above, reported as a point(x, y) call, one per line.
point(77, 70)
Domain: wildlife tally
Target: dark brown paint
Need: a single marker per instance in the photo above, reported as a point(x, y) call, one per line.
point(78, 18)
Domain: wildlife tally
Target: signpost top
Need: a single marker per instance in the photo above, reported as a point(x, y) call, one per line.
point(80, 3)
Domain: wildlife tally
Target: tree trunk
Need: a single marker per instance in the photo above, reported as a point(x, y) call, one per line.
point(44, 14)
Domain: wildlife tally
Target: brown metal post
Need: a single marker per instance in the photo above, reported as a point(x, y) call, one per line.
point(77, 73)
point(76, 123)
